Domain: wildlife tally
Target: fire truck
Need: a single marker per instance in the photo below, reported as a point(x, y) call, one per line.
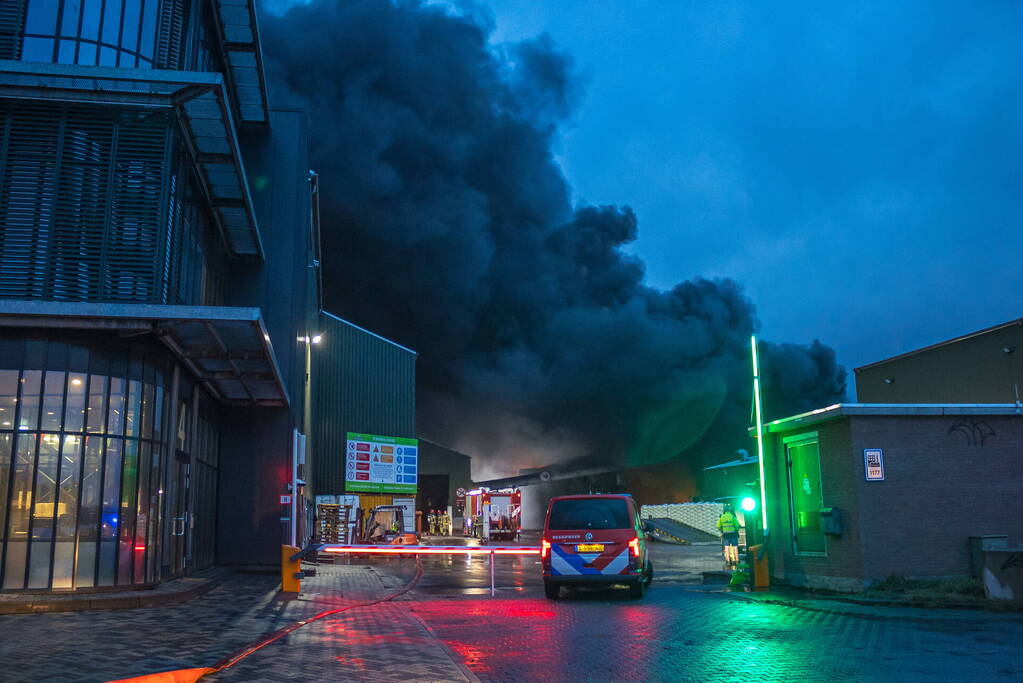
point(493, 514)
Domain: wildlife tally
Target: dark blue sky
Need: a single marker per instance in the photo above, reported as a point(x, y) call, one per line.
point(855, 165)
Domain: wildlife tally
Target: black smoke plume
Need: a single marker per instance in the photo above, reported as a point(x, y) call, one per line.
point(450, 228)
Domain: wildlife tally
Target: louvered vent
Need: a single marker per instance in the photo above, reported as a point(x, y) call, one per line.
point(136, 232)
point(170, 35)
point(12, 14)
point(80, 202)
point(196, 259)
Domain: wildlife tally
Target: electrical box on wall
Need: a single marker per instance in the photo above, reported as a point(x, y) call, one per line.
point(831, 521)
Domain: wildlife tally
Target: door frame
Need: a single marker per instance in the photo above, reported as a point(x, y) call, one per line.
point(802, 440)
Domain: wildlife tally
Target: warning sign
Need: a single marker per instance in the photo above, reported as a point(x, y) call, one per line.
point(393, 467)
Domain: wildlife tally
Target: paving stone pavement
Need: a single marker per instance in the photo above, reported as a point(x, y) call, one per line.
point(678, 634)
point(675, 633)
point(380, 643)
point(101, 645)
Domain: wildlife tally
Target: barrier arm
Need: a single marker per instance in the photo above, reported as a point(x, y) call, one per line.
point(420, 550)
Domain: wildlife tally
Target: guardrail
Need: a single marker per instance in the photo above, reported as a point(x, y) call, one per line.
point(419, 550)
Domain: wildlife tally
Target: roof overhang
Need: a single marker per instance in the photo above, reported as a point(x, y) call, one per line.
point(203, 109)
point(239, 37)
point(840, 410)
point(227, 349)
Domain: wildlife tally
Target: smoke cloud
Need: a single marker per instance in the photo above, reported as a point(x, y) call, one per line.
point(450, 228)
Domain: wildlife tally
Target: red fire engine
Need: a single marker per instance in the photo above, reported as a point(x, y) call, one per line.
point(493, 514)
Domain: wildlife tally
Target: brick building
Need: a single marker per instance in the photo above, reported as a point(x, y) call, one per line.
point(945, 422)
point(949, 472)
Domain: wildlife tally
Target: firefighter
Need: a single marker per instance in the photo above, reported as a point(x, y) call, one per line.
point(728, 525)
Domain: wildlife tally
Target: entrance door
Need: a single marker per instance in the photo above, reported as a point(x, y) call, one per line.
point(179, 517)
point(804, 465)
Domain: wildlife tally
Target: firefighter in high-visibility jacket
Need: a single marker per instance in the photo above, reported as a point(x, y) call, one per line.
point(728, 525)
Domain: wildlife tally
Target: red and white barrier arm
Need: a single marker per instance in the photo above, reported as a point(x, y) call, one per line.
point(428, 549)
point(420, 550)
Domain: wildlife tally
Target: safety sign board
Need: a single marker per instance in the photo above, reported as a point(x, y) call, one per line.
point(381, 464)
point(873, 464)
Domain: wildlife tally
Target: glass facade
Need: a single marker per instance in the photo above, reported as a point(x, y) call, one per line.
point(96, 32)
point(81, 461)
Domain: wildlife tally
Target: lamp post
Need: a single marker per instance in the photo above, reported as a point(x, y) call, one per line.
point(759, 558)
point(759, 416)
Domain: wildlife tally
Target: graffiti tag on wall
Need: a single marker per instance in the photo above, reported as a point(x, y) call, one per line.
point(976, 432)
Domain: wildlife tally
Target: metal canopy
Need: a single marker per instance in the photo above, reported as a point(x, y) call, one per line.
point(239, 37)
point(203, 108)
point(226, 348)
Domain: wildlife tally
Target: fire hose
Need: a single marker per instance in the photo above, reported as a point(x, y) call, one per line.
point(196, 674)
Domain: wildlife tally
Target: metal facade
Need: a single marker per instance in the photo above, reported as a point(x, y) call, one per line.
point(149, 427)
point(361, 383)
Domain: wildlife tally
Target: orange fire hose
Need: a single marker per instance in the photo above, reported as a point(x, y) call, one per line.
point(193, 675)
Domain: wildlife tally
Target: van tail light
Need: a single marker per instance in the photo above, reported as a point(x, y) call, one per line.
point(633, 547)
point(545, 547)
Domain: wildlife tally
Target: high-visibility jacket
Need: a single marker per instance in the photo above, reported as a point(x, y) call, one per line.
point(727, 523)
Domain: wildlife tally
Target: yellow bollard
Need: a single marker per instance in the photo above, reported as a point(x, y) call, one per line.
point(761, 577)
point(291, 571)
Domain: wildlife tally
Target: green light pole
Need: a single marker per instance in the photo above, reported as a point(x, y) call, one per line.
point(761, 576)
point(759, 416)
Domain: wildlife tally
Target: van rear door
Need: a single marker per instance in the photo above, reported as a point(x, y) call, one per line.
point(590, 536)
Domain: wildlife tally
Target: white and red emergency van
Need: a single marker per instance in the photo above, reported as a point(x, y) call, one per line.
point(594, 540)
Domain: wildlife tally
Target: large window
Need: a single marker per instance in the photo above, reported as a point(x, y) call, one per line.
point(81, 461)
point(97, 32)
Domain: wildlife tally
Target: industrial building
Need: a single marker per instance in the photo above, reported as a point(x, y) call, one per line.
point(908, 481)
point(159, 297)
point(981, 367)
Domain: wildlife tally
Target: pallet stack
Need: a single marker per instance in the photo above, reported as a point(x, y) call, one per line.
point(332, 526)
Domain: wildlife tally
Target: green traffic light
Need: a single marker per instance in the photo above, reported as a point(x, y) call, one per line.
point(748, 504)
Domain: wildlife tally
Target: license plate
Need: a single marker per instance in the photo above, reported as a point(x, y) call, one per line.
point(591, 548)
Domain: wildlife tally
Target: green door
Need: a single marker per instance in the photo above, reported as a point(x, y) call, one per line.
point(804, 465)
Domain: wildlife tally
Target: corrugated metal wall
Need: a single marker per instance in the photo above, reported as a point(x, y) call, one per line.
point(361, 383)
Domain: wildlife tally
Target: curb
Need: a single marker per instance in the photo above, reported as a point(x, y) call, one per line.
point(834, 605)
point(80, 603)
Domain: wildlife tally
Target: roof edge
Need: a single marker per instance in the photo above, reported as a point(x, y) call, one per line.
point(931, 347)
point(838, 410)
point(370, 333)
